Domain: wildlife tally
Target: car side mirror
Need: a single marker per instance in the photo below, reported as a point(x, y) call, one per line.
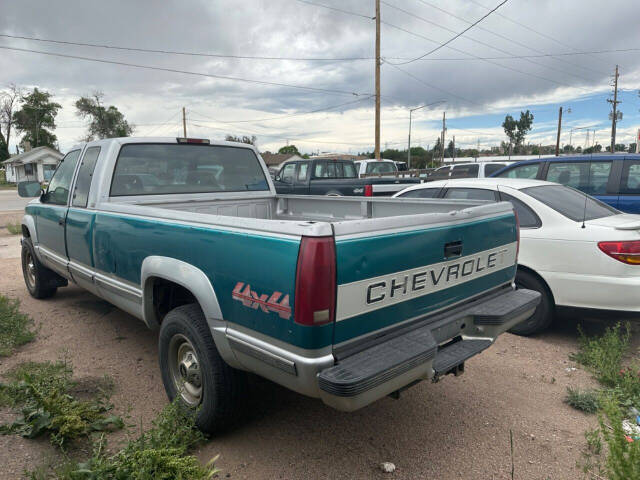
point(30, 189)
point(277, 177)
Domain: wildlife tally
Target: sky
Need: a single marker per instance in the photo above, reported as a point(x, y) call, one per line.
point(320, 97)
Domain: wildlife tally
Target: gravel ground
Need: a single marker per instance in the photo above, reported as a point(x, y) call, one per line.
point(456, 429)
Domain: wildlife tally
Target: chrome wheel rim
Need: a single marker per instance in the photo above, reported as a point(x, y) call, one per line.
point(185, 370)
point(29, 269)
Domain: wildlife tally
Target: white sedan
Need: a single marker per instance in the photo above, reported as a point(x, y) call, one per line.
point(577, 251)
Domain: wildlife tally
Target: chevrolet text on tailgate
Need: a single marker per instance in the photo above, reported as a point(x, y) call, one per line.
point(343, 299)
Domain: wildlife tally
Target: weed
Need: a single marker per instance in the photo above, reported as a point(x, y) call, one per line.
point(623, 461)
point(587, 400)
point(594, 441)
point(15, 327)
point(14, 228)
point(160, 453)
point(42, 392)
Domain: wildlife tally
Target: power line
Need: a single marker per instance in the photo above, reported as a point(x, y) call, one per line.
point(325, 59)
point(186, 72)
point(504, 37)
point(368, 17)
point(442, 45)
point(178, 52)
point(484, 44)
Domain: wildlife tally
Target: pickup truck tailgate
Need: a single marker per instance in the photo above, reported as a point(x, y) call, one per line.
point(407, 272)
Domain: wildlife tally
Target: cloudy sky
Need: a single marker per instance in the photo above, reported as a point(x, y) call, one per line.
point(328, 67)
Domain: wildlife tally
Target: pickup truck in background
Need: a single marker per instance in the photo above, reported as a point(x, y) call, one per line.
point(335, 178)
point(343, 299)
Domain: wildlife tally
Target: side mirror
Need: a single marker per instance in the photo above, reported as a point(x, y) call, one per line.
point(29, 189)
point(277, 177)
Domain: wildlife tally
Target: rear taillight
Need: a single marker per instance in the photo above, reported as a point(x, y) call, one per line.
point(315, 297)
point(625, 252)
point(368, 190)
point(517, 234)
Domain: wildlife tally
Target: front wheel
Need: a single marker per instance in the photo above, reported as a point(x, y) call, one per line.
point(40, 281)
point(543, 315)
point(193, 371)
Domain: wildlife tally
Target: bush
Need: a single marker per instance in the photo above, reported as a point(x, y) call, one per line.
point(14, 228)
point(42, 391)
point(587, 401)
point(15, 327)
point(623, 461)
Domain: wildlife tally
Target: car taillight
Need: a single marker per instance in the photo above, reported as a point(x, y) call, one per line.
point(315, 301)
point(368, 190)
point(517, 234)
point(625, 252)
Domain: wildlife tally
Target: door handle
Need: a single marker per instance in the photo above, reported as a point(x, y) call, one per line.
point(61, 222)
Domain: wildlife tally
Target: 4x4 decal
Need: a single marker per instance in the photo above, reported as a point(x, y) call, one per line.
point(266, 303)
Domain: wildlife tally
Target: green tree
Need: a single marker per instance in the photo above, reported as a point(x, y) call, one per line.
point(36, 118)
point(517, 130)
point(244, 139)
point(106, 122)
point(289, 150)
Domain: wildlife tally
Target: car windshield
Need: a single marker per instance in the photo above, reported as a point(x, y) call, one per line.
point(570, 203)
point(152, 169)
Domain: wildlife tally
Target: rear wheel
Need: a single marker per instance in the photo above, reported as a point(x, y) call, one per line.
point(40, 281)
point(193, 371)
point(543, 315)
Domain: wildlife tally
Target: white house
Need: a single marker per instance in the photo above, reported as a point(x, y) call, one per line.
point(37, 164)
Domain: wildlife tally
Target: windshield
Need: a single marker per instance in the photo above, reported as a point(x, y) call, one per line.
point(153, 169)
point(570, 202)
point(381, 167)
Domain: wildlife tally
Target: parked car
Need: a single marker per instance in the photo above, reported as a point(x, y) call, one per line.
point(575, 250)
point(467, 170)
point(335, 178)
point(343, 299)
point(613, 179)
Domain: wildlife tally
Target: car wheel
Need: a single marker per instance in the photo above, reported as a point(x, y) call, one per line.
point(40, 281)
point(543, 315)
point(193, 371)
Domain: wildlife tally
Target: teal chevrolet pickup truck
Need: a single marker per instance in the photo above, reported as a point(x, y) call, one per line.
point(343, 299)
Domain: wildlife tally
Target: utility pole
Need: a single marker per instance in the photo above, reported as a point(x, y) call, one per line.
point(444, 128)
point(614, 113)
point(377, 133)
point(184, 123)
point(559, 128)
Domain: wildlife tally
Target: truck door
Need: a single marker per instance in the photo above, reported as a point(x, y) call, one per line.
point(80, 221)
point(52, 214)
point(284, 178)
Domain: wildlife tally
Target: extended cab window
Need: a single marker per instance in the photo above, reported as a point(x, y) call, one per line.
point(522, 171)
point(349, 170)
point(465, 171)
point(85, 174)
point(491, 168)
point(58, 190)
point(163, 168)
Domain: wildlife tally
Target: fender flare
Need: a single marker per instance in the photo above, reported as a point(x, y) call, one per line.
point(194, 280)
point(30, 223)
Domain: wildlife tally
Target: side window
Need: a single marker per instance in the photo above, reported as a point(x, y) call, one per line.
point(58, 190)
point(331, 169)
point(522, 171)
point(288, 172)
point(470, 194)
point(630, 182)
point(491, 168)
point(465, 171)
point(85, 174)
point(565, 173)
point(526, 216)
point(320, 170)
point(303, 169)
point(349, 170)
point(590, 177)
point(421, 193)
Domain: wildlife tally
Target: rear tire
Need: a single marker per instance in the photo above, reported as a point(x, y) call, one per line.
point(193, 370)
point(543, 315)
point(40, 281)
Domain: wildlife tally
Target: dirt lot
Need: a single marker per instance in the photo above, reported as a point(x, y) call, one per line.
point(456, 429)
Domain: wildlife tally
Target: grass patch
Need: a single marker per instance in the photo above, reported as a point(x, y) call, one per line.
point(43, 393)
point(160, 453)
point(15, 327)
point(604, 357)
point(14, 228)
point(587, 400)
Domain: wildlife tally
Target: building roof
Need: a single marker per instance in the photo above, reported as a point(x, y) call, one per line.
point(33, 156)
point(273, 159)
